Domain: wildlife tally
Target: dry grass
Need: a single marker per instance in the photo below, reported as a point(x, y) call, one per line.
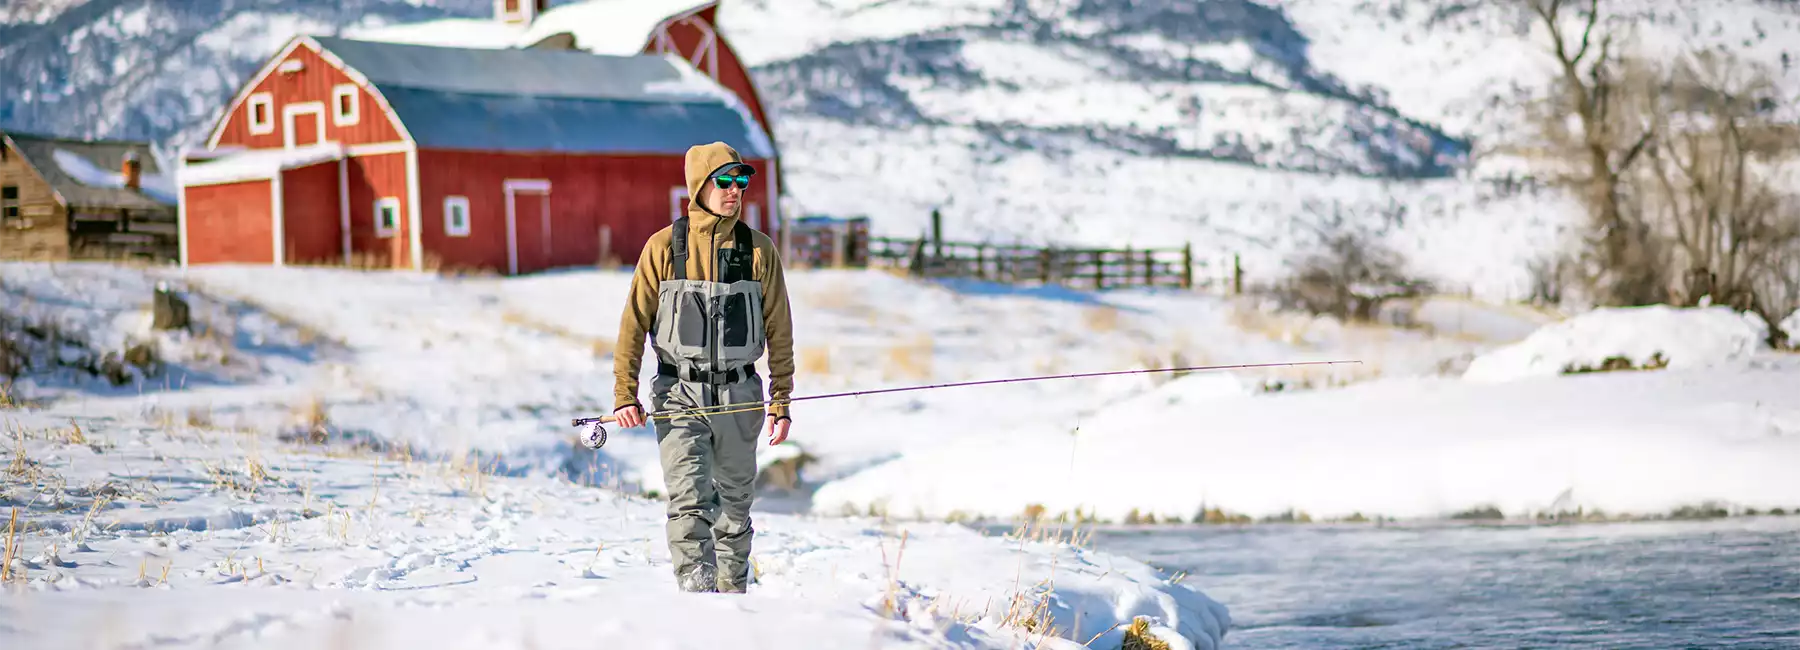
point(836, 296)
point(815, 359)
point(1138, 637)
point(12, 547)
point(600, 346)
point(910, 359)
point(1104, 318)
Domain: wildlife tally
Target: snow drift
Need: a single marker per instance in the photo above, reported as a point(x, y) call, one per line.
point(1651, 336)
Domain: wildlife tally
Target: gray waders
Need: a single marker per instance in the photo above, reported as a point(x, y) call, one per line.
point(707, 337)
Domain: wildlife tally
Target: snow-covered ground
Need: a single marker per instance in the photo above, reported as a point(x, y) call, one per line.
point(131, 532)
point(448, 462)
point(446, 491)
point(1720, 425)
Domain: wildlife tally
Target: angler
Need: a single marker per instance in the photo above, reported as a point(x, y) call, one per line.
point(710, 292)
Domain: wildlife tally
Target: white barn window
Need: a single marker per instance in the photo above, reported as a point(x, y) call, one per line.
point(677, 203)
point(261, 113)
point(346, 108)
point(456, 216)
point(387, 216)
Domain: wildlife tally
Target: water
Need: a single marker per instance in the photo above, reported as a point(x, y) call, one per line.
point(1721, 583)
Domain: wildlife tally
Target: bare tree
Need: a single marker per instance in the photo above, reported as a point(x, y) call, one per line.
point(1604, 145)
point(1733, 231)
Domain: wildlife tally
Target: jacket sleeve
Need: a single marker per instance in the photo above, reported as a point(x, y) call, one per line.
point(634, 324)
point(778, 327)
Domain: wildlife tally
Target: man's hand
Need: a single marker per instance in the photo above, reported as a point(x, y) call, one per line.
point(778, 429)
point(630, 417)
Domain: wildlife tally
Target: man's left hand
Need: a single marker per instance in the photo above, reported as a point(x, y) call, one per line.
point(778, 429)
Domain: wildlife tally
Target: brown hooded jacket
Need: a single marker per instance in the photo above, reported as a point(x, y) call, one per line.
point(707, 233)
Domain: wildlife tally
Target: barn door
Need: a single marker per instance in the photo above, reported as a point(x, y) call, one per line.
point(305, 124)
point(528, 234)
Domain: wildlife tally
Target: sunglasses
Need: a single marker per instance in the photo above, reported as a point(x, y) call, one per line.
point(723, 181)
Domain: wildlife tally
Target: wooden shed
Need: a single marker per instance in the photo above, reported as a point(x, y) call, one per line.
point(417, 156)
point(73, 199)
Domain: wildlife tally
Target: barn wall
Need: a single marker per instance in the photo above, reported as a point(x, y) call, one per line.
point(314, 83)
point(372, 178)
point(232, 222)
point(732, 73)
point(41, 231)
point(630, 194)
point(309, 217)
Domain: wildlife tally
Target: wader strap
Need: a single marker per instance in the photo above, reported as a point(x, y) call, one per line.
point(730, 376)
point(678, 248)
point(736, 266)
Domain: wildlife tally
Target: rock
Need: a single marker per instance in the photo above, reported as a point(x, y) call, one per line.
point(170, 311)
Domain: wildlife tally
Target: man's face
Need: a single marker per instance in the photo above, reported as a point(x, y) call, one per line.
point(724, 192)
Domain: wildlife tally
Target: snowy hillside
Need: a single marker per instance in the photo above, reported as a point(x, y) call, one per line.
point(1238, 126)
point(159, 69)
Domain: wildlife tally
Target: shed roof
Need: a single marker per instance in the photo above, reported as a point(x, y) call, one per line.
point(86, 173)
point(551, 100)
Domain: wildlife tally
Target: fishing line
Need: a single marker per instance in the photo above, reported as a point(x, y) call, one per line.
point(742, 407)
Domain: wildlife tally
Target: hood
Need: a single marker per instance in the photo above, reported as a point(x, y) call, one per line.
point(702, 161)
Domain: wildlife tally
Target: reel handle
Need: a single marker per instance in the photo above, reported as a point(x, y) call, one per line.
point(597, 438)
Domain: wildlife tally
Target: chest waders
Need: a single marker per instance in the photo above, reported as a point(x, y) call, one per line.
point(708, 335)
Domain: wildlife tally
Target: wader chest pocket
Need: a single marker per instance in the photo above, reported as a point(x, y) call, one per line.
point(690, 319)
point(736, 317)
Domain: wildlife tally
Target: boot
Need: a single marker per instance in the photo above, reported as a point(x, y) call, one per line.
point(698, 579)
point(730, 584)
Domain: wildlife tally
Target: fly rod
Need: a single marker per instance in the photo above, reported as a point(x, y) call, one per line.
point(741, 407)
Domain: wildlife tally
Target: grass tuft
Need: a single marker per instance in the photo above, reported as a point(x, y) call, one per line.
point(1138, 637)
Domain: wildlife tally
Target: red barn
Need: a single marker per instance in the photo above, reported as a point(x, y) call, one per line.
point(415, 156)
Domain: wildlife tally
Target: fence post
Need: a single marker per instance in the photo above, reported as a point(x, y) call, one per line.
point(1149, 268)
point(1125, 267)
point(1044, 257)
point(937, 234)
point(1187, 265)
point(1237, 275)
point(840, 245)
point(981, 262)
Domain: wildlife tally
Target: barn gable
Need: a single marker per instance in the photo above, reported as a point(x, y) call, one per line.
point(305, 86)
point(549, 101)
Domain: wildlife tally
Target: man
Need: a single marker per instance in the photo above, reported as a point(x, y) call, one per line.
point(710, 293)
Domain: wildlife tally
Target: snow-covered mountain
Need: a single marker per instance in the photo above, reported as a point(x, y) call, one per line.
point(159, 69)
point(1240, 126)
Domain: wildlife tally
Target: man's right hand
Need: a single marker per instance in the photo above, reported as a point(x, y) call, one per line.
point(630, 417)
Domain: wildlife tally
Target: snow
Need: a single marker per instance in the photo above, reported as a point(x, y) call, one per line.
point(1681, 337)
point(158, 186)
point(139, 532)
point(1619, 443)
point(1791, 325)
point(449, 487)
point(449, 504)
point(694, 84)
point(617, 27)
point(257, 164)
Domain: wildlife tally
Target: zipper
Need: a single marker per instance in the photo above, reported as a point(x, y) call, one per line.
point(712, 335)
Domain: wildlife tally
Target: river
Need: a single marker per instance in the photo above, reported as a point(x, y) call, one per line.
point(1672, 584)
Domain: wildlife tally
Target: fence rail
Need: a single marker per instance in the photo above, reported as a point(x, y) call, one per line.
point(1083, 268)
point(850, 245)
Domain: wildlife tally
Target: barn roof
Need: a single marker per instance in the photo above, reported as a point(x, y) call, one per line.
point(550, 100)
point(599, 26)
point(86, 173)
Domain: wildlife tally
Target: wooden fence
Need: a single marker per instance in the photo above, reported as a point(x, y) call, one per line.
point(851, 246)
